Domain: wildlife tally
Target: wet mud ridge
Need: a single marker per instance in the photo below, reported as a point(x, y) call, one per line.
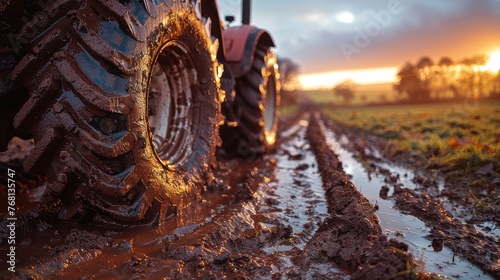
point(273, 219)
point(351, 235)
point(415, 208)
point(292, 214)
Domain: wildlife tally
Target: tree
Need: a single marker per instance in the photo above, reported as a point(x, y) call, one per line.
point(495, 90)
point(416, 80)
point(409, 82)
point(289, 72)
point(382, 98)
point(470, 78)
point(446, 73)
point(345, 90)
point(480, 79)
point(363, 98)
point(425, 75)
point(424, 80)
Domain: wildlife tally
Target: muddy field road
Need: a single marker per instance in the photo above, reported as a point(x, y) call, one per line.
point(293, 214)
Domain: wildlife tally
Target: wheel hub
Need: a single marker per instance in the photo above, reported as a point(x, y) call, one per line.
point(171, 107)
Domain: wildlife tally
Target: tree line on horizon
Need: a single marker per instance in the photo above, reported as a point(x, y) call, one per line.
point(425, 80)
point(422, 81)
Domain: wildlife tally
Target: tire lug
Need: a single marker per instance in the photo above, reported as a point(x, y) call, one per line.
point(58, 108)
point(62, 178)
point(57, 187)
point(63, 154)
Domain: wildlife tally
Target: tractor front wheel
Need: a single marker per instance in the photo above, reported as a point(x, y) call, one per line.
point(121, 95)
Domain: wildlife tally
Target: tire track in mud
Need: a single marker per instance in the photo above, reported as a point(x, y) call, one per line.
point(295, 196)
point(296, 199)
point(292, 228)
point(254, 228)
point(294, 214)
point(263, 238)
point(416, 217)
point(351, 235)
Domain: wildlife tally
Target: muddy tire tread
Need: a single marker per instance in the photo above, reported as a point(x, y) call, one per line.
point(10, 99)
point(51, 101)
point(247, 139)
point(60, 90)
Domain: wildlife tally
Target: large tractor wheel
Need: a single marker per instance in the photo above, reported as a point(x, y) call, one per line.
point(121, 94)
point(11, 98)
point(256, 102)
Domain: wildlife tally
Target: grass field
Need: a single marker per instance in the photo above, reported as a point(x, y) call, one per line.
point(462, 137)
point(288, 109)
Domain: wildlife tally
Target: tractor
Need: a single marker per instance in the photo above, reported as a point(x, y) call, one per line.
point(127, 101)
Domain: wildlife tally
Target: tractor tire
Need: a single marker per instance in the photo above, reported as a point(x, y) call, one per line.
point(124, 106)
point(9, 101)
point(256, 102)
point(11, 98)
point(4, 4)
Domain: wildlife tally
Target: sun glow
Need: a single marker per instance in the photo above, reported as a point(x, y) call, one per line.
point(345, 17)
point(493, 63)
point(362, 77)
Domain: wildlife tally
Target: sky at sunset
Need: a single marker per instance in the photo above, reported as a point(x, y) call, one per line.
point(330, 40)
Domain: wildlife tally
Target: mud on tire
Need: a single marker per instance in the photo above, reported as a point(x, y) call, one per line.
point(121, 93)
point(256, 102)
point(11, 97)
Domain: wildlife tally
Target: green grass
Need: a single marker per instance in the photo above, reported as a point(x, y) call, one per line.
point(288, 109)
point(460, 137)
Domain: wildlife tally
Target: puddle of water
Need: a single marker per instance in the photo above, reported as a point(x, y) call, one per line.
point(299, 200)
point(296, 128)
point(292, 181)
point(395, 224)
point(488, 228)
point(299, 189)
point(406, 177)
point(326, 271)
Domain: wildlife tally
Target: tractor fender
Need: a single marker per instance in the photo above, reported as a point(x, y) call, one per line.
point(240, 43)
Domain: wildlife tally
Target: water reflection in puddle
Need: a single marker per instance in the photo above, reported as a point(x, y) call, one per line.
point(299, 201)
point(298, 189)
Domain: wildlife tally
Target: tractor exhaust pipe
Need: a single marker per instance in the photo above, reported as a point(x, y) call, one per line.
point(245, 19)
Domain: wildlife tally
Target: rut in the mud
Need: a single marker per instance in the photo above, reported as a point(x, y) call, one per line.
point(267, 218)
point(352, 235)
point(412, 212)
point(294, 213)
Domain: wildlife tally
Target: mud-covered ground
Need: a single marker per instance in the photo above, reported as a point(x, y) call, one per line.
point(292, 214)
point(467, 224)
